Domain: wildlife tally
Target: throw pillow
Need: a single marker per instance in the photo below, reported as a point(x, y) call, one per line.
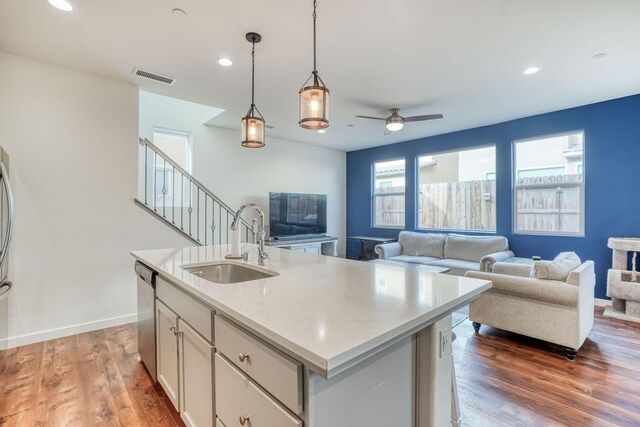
point(558, 269)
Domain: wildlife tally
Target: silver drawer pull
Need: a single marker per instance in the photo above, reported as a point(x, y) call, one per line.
point(243, 357)
point(243, 419)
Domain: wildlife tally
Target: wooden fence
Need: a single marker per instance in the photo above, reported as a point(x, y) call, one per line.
point(466, 205)
point(549, 204)
point(543, 204)
point(389, 207)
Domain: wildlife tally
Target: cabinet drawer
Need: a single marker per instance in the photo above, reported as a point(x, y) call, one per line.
point(196, 314)
point(279, 374)
point(237, 396)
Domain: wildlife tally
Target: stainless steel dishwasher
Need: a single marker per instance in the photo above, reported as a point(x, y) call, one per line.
point(147, 316)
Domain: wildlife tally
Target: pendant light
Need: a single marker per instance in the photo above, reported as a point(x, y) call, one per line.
point(314, 95)
point(253, 122)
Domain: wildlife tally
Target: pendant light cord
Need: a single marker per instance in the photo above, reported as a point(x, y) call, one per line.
point(315, 4)
point(253, 72)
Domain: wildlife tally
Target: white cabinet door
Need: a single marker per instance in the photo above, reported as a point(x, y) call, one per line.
point(196, 375)
point(167, 351)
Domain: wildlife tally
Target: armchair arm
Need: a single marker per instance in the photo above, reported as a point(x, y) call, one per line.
point(388, 250)
point(487, 261)
point(549, 291)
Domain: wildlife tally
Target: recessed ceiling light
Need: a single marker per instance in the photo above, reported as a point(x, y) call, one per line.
point(63, 5)
point(599, 55)
point(225, 62)
point(530, 70)
point(179, 12)
point(321, 131)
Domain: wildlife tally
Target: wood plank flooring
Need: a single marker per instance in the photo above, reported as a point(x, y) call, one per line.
point(507, 379)
point(91, 379)
point(95, 379)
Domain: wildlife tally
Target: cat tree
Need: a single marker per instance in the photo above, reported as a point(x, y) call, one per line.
point(623, 286)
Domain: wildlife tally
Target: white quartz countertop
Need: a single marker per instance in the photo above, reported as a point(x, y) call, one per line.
point(327, 312)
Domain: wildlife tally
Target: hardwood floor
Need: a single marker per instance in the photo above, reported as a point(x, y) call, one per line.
point(91, 379)
point(505, 379)
point(508, 379)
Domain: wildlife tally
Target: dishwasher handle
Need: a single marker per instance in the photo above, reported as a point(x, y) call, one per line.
point(146, 274)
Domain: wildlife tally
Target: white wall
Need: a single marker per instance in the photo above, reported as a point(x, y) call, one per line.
point(238, 175)
point(72, 139)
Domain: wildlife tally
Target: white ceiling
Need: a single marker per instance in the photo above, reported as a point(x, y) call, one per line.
point(461, 58)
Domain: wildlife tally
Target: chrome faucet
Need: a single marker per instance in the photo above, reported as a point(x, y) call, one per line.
point(262, 253)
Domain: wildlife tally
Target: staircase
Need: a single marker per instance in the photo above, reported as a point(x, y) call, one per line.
point(174, 196)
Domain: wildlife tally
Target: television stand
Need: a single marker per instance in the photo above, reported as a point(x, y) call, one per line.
point(319, 245)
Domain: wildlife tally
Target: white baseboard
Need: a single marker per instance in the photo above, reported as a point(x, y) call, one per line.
point(599, 302)
point(65, 331)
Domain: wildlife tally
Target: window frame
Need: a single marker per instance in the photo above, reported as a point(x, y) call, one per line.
point(374, 195)
point(514, 187)
point(417, 189)
point(174, 132)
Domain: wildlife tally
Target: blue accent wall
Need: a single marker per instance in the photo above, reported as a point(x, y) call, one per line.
point(612, 176)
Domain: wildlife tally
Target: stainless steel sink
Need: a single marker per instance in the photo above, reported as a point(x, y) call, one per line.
point(228, 273)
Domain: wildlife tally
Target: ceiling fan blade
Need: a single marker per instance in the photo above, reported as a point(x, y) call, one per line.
point(421, 118)
point(369, 117)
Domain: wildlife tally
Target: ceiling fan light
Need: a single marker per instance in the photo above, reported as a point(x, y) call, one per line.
point(394, 126)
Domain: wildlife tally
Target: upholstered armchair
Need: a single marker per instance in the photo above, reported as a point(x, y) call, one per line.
point(557, 311)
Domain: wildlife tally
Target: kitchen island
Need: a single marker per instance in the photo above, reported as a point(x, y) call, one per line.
point(320, 342)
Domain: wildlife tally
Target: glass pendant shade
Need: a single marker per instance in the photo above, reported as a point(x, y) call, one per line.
point(252, 131)
point(314, 107)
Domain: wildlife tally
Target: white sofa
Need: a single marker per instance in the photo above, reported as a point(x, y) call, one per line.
point(458, 252)
point(557, 311)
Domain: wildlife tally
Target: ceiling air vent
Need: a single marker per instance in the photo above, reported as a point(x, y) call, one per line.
point(154, 76)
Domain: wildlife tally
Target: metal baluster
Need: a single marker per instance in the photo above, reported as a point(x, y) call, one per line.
point(164, 187)
point(213, 218)
point(220, 224)
point(213, 222)
point(146, 172)
point(198, 215)
point(173, 196)
point(205, 219)
point(228, 228)
point(155, 183)
point(182, 200)
point(190, 205)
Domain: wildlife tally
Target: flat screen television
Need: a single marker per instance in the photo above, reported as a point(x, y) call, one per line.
point(297, 215)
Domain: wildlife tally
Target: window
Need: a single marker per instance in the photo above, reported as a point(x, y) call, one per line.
point(169, 186)
point(549, 185)
point(457, 190)
point(389, 193)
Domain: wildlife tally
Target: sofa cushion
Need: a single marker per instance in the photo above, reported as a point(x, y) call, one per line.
point(422, 244)
point(414, 259)
point(558, 269)
point(458, 267)
point(473, 248)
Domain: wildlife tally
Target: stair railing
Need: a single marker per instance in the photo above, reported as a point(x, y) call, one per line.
point(171, 193)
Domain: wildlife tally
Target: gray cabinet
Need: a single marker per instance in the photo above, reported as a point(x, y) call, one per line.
point(167, 352)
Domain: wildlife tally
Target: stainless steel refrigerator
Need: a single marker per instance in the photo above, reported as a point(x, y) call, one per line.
point(6, 230)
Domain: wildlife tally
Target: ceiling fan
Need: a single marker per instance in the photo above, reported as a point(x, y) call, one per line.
point(395, 121)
